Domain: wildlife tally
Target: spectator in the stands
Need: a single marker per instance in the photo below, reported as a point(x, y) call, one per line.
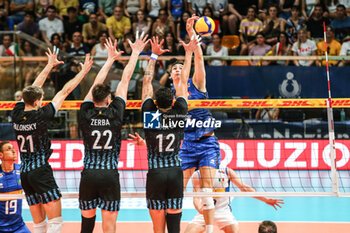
point(175, 9)
point(286, 7)
point(28, 49)
point(248, 29)
point(341, 23)
point(4, 11)
point(106, 8)
point(125, 46)
point(294, 24)
point(220, 10)
point(333, 47)
point(345, 51)
point(41, 7)
point(153, 7)
point(92, 29)
point(197, 6)
point(304, 47)
point(238, 10)
point(29, 26)
point(273, 25)
point(217, 50)
point(181, 31)
point(88, 7)
point(282, 48)
point(163, 25)
point(307, 7)
point(63, 5)
point(332, 7)
point(77, 48)
point(315, 23)
point(142, 24)
point(18, 9)
point(100, 49)
point(72, 24)
point(118, 25)
point(260, 49)
point(50, 25)
point(132, 6)
point(170, 44)
point(263, 6)
point(7, 48)
point(267, 113)
point(56, 40)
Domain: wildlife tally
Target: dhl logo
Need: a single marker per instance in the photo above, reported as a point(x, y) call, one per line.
point(220, 104)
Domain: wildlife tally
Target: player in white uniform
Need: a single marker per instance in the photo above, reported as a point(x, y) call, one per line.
point(223, 216)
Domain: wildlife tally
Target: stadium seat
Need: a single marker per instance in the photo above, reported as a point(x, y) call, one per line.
point(239, 63)
point(230, 41)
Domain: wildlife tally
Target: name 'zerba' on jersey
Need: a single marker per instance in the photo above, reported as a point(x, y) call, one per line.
point(101, 132)
point(32, 137)
point(164, 144)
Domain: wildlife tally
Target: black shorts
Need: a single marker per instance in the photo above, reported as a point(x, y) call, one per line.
point(40, 186)
point(99, 188)
point(164, 188)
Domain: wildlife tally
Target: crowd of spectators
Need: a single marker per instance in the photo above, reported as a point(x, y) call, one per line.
point(263, 27)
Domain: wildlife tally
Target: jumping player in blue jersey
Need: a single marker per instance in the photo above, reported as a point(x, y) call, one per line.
point(101, 119)
point(11, 220)
point(30, 123)
point(200, 148)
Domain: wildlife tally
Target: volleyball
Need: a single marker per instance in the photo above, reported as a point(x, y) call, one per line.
point(205, 26)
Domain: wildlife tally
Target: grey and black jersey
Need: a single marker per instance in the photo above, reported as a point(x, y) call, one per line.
point(101, 133)
point(163, 144)
point(32, 137)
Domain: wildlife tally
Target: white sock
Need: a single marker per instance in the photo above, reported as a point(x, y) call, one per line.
point(55, 225)
point(209, 228)
point(40, 227)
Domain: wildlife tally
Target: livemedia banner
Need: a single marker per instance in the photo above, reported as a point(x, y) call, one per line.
point(236, 154)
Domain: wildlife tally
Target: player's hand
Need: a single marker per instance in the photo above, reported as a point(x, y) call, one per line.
point(52, 57)
point(85, 68)
point(189, 25)
point(112, 49)
point(157, 47)
point(139, 43)
point(192, 45)
point(137, 139)
point(274, 202)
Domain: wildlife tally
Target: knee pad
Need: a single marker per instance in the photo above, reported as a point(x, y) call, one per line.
point(208, 202)
point(55, 225)
point(40, 227)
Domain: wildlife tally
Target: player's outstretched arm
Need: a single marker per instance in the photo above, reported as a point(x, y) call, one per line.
point(246, 188)
point(181, 87)
point(137, 47)
point(197, 201)
point(51, 63)
point(199, 68)
point(113, 55)
point(73, 83)
point(147, 89)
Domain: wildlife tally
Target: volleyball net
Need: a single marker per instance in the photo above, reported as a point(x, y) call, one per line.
point(285, 157)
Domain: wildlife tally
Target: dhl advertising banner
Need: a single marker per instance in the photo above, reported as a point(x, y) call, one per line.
point(237, 154)
point(283, 82)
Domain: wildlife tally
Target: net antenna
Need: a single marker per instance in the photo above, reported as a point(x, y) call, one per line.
point(335, 187)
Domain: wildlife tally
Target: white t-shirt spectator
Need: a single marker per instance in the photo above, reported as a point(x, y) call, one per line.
point(222, 52)
point(305, 49)
point(345, 49)
point(199, 5)
point(51, 27)
point(219, 6)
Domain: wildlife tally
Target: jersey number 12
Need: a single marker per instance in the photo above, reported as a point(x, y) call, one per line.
point(170, 137)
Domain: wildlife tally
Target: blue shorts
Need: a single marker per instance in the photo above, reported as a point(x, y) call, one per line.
point(18, 228)
point(200, 153)
point(23, 229)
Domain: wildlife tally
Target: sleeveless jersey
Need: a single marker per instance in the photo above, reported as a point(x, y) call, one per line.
point(193, 133)
point(101, 133)
point(163, 144)
point(10, 210)
point(32, 137)
point(221, 183)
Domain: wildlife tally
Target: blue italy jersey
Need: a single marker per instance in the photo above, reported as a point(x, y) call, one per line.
point(11, 210)
point(192, 133)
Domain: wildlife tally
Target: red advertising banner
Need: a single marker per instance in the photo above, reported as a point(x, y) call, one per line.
point(237, 154)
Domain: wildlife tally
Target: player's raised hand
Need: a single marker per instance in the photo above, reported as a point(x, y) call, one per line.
point(137, 139)
point(189, 25)
point(85, 68)
point(112, 49)
point(274, 202)
point(193, 44)
point(52, 56)
point(157, 47)
point(139, 43)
